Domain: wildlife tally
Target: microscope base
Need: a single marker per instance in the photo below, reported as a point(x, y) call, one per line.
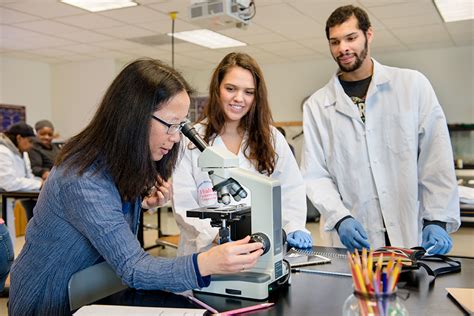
point(251, 285)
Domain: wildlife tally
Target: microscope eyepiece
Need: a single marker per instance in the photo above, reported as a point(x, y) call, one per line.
point(190, 132)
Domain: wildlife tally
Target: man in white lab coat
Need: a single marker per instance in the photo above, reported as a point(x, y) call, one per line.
point(377, 158)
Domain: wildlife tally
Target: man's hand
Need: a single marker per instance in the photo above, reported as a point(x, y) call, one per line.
point(353, 235)
point(158, 195)
point(300, 239)
point(436, 240)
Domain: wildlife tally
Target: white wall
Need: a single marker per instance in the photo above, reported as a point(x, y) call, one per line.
point(68, 94)
point(28, 83)
point(77, 91)
point(450, 71)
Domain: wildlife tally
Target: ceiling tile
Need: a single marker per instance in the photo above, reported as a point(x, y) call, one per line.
point(319, 44)
point(83, 48)
point(45, 8)
point(13, 32)
point(262, 38)
point(85, 37)
point(48, 27)
point(165, 26)
point(125, 31)
point(287, 21)
point(424, 34)
point(119, 44)
point(50, 52)
point(379, 3)
point(412, 20)
point(419, 7)
point(135, 14)
point(90, 21)
point(11, 16)
point(282, 31)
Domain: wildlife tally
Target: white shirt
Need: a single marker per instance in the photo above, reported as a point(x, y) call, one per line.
point(397, 167)
point(192, 188)
point(15, 172)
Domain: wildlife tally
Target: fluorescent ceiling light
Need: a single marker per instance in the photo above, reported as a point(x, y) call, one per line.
point(100, 5)
point(208, 39)
point(455, 10)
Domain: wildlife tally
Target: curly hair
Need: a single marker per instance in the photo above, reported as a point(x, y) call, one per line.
point(342, 14)
point(259, 146)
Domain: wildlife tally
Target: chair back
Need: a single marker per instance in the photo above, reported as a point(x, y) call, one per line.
point(92, 284)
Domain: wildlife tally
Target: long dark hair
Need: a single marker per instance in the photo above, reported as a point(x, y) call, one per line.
point(259, 147)
point(117, 138)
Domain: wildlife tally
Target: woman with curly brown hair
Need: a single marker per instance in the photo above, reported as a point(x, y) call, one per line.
point(238, 117)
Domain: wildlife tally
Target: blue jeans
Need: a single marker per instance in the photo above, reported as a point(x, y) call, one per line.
point(6, 254)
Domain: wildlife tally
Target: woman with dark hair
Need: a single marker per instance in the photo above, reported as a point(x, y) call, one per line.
point(238, 117)
point(44, 151)
point(88, 210)
point(15, 166)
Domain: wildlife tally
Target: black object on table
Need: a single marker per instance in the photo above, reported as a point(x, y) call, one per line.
point(314, 294)
point(15, 195)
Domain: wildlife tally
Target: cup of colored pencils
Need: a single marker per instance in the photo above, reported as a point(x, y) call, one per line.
point(375, 285)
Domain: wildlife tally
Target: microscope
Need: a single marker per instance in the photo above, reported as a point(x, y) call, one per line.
point(262, 221)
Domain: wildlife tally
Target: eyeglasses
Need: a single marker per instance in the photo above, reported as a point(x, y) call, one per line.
point(172, 128)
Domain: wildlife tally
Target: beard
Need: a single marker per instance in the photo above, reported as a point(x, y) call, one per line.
point(359, 59)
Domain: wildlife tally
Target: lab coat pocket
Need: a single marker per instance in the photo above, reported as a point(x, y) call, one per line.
point(400, 133)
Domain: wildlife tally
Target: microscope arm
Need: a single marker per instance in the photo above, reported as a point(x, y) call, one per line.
point(225, 187)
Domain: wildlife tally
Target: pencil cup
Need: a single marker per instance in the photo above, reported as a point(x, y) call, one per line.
point(365, 304)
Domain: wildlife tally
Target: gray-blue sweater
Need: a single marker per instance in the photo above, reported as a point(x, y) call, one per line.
point(79, 221)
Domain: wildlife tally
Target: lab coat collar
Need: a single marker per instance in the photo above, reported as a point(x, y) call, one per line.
point(338, 98)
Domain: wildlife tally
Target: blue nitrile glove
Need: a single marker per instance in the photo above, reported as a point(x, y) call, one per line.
point(436, 238)
point(352, 234)
point(299, 239)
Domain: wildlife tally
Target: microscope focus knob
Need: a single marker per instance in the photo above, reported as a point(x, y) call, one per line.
point(262, 238)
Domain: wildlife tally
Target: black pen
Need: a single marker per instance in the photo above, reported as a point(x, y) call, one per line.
point(321, 272)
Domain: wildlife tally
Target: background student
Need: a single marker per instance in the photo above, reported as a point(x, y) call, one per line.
point(15, 167)
point(238, 117)
point(44, 151)
point(377, 158)
point(89, 208)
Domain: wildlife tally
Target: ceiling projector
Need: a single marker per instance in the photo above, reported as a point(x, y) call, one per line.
point(220, 14)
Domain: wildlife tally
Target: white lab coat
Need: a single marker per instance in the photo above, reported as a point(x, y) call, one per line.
point(15, 168)
point(192, 188)
point(397, 167)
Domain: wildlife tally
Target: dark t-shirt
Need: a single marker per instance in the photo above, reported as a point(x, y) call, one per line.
point(42, 158)
point(357, 91)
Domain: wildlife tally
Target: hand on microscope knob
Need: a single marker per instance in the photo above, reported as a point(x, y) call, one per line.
point(300, 239)
point(230, 257)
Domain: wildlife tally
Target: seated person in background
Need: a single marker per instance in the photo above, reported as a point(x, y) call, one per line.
point(44, 151)
point(6, 257)
point(89, 208)
point(238, 117)
point(283, 132)
point(15, 169)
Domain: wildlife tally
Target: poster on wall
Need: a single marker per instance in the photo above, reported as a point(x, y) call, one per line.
point(197, 107)
point(11, 114)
